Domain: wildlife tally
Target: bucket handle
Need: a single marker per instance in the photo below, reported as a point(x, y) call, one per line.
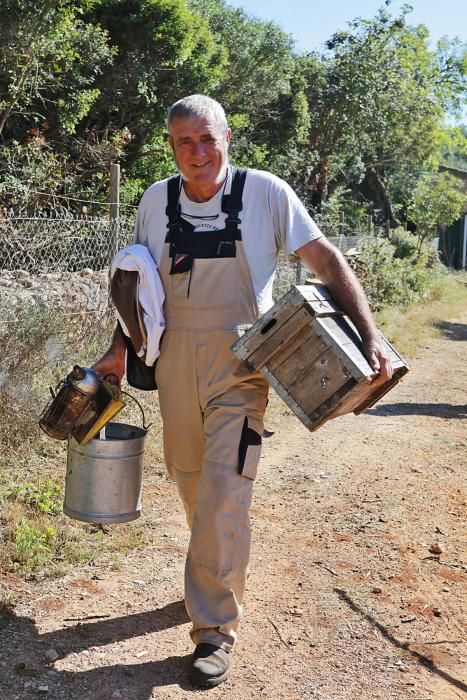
point(145, 427)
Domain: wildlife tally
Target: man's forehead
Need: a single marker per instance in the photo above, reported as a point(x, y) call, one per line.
point(196, 126)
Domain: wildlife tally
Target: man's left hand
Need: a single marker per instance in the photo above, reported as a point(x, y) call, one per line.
point(378, 360)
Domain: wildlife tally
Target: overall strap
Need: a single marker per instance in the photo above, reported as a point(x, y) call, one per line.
point(232, 203)
point(173, 195)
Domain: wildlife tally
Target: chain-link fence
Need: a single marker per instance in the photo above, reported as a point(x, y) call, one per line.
point(290, 272)
point(36, 254)
point(52, 244)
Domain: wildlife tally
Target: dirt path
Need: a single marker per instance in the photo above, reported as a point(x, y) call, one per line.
point(347, 597)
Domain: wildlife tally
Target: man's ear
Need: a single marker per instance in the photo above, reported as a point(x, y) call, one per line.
point(228, 135)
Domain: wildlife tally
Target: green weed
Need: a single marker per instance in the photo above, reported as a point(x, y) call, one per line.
point(33, 546)
point(42, 496)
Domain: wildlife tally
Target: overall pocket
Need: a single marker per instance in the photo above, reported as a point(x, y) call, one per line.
point(249, 451)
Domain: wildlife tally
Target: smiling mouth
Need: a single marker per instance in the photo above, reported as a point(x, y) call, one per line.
point(194, 165)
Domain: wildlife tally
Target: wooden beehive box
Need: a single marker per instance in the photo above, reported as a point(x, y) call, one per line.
point(310, 352)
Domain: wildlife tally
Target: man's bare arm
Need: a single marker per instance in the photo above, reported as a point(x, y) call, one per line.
point(330, 266)
point(113, 362)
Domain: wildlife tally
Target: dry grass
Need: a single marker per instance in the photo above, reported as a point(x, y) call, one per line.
point(412, 328)
point(35, 538)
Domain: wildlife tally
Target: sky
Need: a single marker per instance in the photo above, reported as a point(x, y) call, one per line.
point(312, 22)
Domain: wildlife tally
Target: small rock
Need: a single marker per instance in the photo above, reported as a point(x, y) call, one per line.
point(376, 589)
point(436, 612)
point(446, 589)
point(409, 618)
point(44, 689)
point(117, 695)
point(51, 655)
point(435, 548)
point(139, 654)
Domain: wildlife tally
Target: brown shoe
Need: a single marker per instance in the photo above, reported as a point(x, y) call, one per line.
point(210, 666)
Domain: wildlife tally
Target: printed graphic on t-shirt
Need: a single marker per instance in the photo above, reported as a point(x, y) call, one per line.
point(203, 226)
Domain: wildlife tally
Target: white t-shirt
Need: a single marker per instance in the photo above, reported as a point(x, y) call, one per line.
point(272, 219)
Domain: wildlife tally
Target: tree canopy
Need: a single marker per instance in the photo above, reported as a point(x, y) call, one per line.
point(354, 127)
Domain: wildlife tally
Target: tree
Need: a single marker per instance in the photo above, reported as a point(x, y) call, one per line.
point(49, 61)
point(377, 98)
point(437, 200)
point(83, 83)
point(162, 50)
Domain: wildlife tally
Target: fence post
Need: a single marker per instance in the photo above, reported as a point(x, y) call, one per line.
point(341, 223)
point(114, 211)
point(298, 272)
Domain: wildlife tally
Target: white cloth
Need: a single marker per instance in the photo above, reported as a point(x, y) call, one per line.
point(151, 295)
point(272, 219)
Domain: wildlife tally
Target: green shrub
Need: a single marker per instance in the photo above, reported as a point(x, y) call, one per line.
point(405, 244)
point(407, 247)
point(393, 272)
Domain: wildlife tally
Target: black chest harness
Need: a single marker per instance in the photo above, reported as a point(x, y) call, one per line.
point(186, 244)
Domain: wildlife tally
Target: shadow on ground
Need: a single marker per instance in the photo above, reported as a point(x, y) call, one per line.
point(24, 663)
point(439, 410)
point(387, 634)
point(453, 331)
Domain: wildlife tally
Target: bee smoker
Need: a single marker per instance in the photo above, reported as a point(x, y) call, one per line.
point(81, 405)
point(104, 467)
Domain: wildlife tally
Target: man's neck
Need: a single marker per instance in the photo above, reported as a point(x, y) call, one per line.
point(203, 193)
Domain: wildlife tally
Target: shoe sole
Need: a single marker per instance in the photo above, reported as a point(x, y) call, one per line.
point(203, 681)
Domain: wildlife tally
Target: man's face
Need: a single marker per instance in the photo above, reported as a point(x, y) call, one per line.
point(200, 149)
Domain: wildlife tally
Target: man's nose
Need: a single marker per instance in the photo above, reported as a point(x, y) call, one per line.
point(199, 148)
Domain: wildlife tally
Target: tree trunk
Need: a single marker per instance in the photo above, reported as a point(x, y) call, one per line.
point(375, 189)
point(318, 183)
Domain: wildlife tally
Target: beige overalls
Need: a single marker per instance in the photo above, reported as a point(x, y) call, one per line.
point(212, 409)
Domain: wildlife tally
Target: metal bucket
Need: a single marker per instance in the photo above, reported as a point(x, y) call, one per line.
point(103, 478)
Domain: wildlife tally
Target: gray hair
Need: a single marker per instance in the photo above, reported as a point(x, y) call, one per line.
point(200, 106)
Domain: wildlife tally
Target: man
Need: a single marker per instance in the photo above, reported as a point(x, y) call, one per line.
point(215, 233)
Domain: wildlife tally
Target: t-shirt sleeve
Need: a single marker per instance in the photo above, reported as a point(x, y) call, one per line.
point(293, 225)
point(140, 235)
